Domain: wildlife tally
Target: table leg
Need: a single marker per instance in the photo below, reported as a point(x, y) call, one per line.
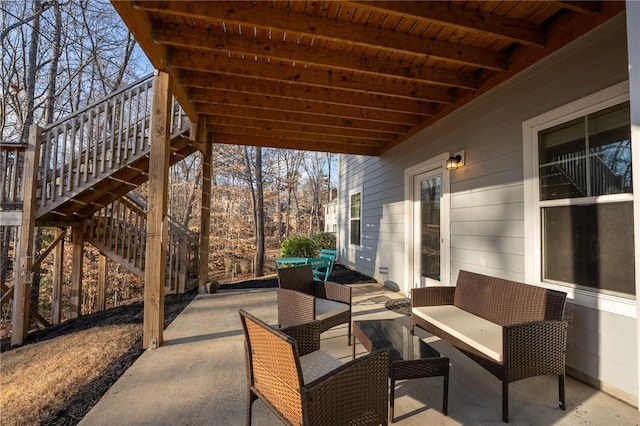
point(445, 396)
point(353, 346)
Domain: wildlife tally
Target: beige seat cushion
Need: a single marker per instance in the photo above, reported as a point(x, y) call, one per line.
point(328, 308)
point(316, 364)
point(483, 335)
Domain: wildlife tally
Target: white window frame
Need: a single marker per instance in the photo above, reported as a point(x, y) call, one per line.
point(583, 296)
point(351, 193)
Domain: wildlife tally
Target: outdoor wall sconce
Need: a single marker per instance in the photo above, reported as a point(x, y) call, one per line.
point(453, 162)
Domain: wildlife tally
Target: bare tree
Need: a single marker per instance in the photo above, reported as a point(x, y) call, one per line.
point(254, 176)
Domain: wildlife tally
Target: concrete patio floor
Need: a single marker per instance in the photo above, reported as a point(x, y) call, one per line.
point(198, 376)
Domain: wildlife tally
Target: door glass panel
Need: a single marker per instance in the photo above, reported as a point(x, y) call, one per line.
point(430, 194)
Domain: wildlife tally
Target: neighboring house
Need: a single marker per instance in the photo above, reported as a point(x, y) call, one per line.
point(331, 216)
point(545, 196)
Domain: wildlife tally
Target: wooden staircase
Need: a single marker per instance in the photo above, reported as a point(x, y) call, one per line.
point(118, 231)
point(89, 162)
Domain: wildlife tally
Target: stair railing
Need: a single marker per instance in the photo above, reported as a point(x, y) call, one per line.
point(604, 179)
point(182, 250)
point(119, 229)
point(98, 140)
point(11, 164)
point(598, 179)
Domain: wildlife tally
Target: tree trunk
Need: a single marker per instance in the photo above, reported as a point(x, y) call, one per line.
point(31, 89)
point(32, 68)
point(191, 198)
point(260, 245)
point(257, 197)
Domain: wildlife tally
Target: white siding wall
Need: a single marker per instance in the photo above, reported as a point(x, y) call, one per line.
point(487, 200)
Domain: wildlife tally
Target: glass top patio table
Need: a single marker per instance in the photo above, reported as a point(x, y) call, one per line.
point(409, 356)
point(392, 335)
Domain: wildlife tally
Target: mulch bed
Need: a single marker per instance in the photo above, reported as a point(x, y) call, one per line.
point(339, 274)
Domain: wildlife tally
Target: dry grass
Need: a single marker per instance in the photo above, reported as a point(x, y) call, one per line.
point(62, 371)
point(36, 380)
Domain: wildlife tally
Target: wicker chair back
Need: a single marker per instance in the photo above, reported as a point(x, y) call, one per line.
point(298, 278)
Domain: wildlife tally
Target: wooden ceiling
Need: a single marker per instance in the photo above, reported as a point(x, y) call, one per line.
point(346, 77)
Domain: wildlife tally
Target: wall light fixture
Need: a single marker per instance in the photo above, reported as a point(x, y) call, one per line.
point(453, 162)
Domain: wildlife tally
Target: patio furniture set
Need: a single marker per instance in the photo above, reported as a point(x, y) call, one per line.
point(511, 329)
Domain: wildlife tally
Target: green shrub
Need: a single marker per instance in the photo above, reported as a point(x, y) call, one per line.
point(298, 247)
point(324, 240)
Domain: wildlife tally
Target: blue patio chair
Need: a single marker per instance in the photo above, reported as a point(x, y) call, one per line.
point(323, 264)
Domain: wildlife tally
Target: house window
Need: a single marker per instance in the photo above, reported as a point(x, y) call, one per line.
point(584, 202)
point(355, 218)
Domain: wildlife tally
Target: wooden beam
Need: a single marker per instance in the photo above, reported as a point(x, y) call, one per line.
point(305, 145)
point(226, 98)
point(201, 81)
point(300, 117)
point(40, 319)
point(44, 254)
point(585, 7)
point(57, 277)
point(77, 250)
point(311, 129)
point(205, 206)
point(264, 15)
point(157, 224)
point(561, 32)
point(292, 141)
point(456, 16)
point(102, 283)
point(7, 294)
point(199, 61)
point(11, 218)
point(287, 134)
point(214, 39)
point(196, 127)
point(25, 249)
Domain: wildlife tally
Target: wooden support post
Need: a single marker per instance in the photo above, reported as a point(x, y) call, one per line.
point(157, 224)
point(102, 283)
point(24, 258)
point(56, 282)
point(75, 298)
point(205, 206)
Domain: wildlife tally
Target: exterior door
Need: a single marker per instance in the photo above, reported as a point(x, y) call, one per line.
point(428, 236)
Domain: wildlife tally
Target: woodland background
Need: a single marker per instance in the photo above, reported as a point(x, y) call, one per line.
point(60, 56)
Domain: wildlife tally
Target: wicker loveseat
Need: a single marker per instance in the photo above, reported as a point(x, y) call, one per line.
point(303, 385)
point(511, 329)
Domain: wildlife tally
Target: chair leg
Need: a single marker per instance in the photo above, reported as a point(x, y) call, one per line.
point(250, 399)
point(563, 405)
point(392, 395)
point(349, 332)
point(445, 392)
point(505, 401)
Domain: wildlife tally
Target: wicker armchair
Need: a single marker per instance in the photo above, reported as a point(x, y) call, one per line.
point(303, 385)
point(302, 299)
